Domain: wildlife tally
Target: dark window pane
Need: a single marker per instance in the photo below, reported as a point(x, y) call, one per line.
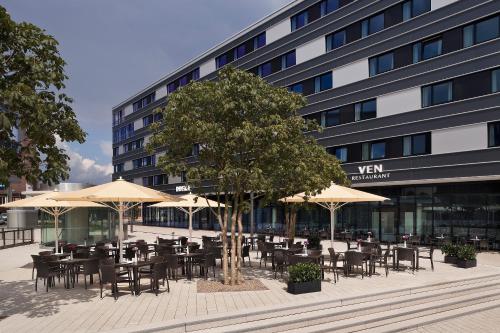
point(495, 80)
point(240, 51)
point(494, 134)
point(183, 81)
point(323, 82)
point(431, 49)
point(171, 87)
point(299, 20)
point(288, 60)
point(265, 69)
point(365, 110)
point(332, 118)
point(328, 6)
point(297, 88)
point(372, 25)
point(260, 40)
point(335, 40)
point(221, 60)
point(196, 74)
point(420, 6)
point(487, 30)
point(441, 93)
point(419, 144)
point(377, 150)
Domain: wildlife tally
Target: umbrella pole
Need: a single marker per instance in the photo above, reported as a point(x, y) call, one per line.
point(56, 222)
point(120, 231)
point(332, 223)
point(190, 223)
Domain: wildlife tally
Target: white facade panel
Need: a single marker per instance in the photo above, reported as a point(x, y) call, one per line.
point(399, 102)
point(161, 92)
point(435, 4)
point(310, 50)
point(207, 67)
point(138, 124)
point(128, 110)
point(463, 138)
point(278, 31)
point(127, 166)
point(350, 73)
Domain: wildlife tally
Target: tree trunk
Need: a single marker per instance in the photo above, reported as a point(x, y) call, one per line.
point(291, 221)
point(234, 216)
point(223, 225)
point(239, 277)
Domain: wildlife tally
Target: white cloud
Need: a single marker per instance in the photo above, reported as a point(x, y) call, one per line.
point(106, 148)
point(86, 170)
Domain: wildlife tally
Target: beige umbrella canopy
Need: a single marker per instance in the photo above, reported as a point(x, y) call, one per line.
point(47, 203)
point(191, 204)
point(334, 197)
point(119, 196)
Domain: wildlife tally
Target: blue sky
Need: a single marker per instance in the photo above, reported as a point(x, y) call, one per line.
point(114, 48)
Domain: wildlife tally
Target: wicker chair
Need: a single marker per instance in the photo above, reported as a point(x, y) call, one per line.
point(279, 261)
point(405, 254)
point(44, 271)
point(108, 275)
point(173, 265)
point(90, 268)
point(354, 259)
point(332, 264)
point(424, 254)
point(245, 253)
point(261, 247)
point(159, 272)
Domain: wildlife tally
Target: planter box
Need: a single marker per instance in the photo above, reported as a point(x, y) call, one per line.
point(304, 287)
point(466, 263)
point(450, 259)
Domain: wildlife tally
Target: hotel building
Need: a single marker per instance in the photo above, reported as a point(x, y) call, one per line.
point(407, 93)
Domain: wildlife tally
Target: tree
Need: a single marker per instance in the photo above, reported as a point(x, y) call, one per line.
point(251, 139)
point(32, 103)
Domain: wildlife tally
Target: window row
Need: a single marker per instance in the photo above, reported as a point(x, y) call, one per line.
point(123, 133)
point(313, 85)
point(144, 162)
point(183, 80)
point(315, 12)
point(143, 102)
point(117, 117)
point(275, 65)
point(410, 145)
point(133, 145)
point(391, 16)
point(155, 180)
point(494, 134)
point(118, 167)
point(243, 49)
point(346, 114)
point(151, 118)
point(446, 42)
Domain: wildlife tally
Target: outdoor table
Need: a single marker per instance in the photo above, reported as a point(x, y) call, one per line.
point(189, 262)
point(415, 250)
point(252, 241)
point(135, 272)
point(69, 269)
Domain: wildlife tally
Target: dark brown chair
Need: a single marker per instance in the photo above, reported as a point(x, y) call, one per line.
point(245, 253)
point(405, 254)
point(354, 259)
point(207, 262)
point(108, 275)
point(484, 244)
point(183, 241)
point(279, 259)
point(427, 254)
point(44, 271)
point(159, 272)
point(261, 247)
point(89, 268)
point(36, 259)
point(332, 265)
point(173, 265)
point(45, 253)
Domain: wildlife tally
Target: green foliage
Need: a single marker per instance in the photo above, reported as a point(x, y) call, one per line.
point(449, 249)
point(250, 134)
point(466, 252)
point(304, 272)
point(313, 242)
point(32, 102)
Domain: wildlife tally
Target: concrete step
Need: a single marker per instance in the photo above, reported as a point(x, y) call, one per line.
point(300, 314)
point(381, 311)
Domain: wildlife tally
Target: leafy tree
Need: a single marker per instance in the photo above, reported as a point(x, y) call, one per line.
point(251, 139)
point(32, 104)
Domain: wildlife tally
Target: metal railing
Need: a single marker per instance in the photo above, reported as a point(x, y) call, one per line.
point(15, 237)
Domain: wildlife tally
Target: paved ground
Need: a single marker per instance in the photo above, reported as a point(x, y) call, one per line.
point(80, 310)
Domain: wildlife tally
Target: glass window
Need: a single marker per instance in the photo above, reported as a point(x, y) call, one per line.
point(259, 41)
point(414, 8)
point(118, 167)
point(339, 152)
point(183, 81)
point(323, 82)
point(221, 60)
point(328, 6)
point(117, 117)
point(160, 180)
point(297, 88)
point(481, 31)
point(196, 74)
point(265, 69)
point(415, 144)
point(240, 51)
point(381, 64)
point(171, 87)
point(427, 49)
point(365, 110)
point(437, 94)
point(288, 60)
point(494, 134)
point(372, 25)
point(146, 121)
point(116, 151)
point(495, 80)
point(299, 20)
point(330, 118)
point(373, 150)
point(147, 181)
point(335, 40)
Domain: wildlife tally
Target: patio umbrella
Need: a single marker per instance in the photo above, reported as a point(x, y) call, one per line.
point(332, 198)
point(191, 204)
point(119, 196)
point(46, 202)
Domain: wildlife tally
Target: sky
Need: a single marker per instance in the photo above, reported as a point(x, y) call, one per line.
point(115, 48)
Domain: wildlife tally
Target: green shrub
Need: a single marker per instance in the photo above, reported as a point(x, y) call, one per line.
point(466, 252)
point(313, 242)
point(304, 272)
point(449, 250)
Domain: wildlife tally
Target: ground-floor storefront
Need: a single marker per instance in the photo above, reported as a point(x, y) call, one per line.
point(456, 210)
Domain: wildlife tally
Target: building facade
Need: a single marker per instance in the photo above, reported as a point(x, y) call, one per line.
point(407, 93)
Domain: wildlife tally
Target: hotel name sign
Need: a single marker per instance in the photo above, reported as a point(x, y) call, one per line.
point(371, 172)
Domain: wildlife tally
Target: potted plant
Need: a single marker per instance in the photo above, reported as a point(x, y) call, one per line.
point(466, 256)
point(450, 253)
point(304, 278)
